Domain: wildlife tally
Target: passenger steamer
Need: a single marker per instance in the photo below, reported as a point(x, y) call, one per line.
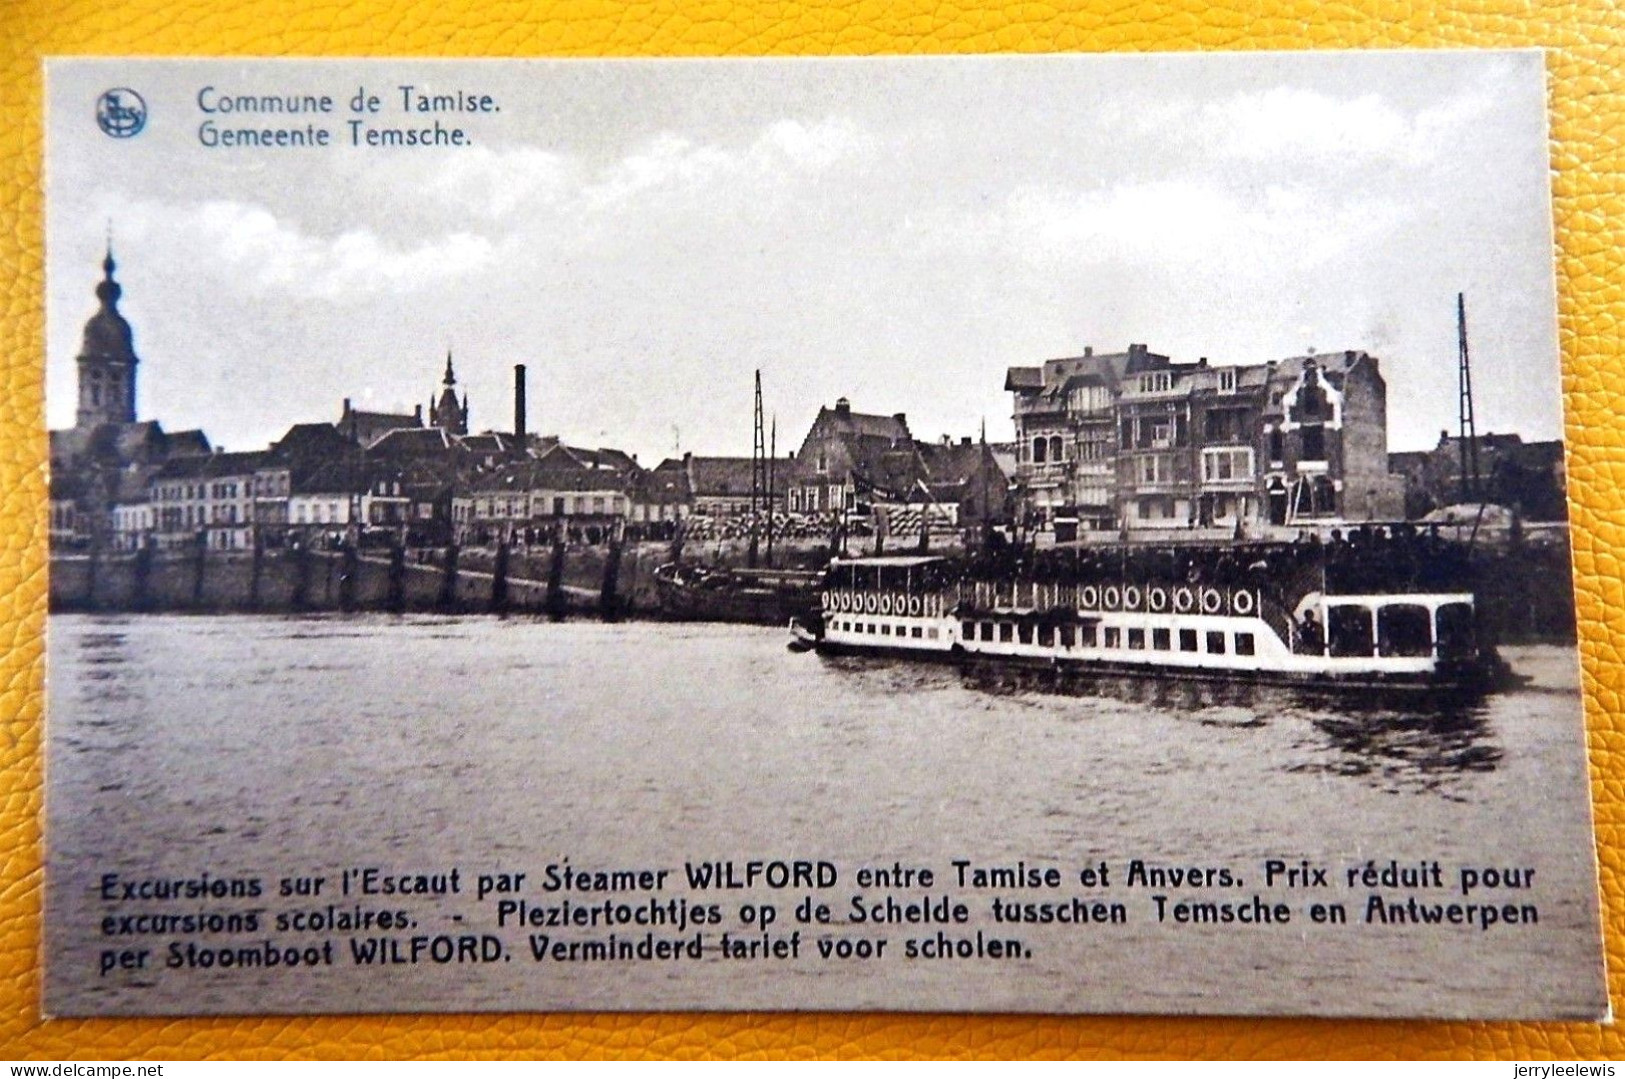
point(922, 607)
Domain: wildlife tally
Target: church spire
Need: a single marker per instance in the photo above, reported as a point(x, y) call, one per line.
point(446, 413)
point(107, 360)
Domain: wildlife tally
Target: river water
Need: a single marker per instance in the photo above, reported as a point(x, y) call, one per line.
point(275, 747)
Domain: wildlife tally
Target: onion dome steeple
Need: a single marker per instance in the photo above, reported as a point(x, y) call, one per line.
point(107, 359)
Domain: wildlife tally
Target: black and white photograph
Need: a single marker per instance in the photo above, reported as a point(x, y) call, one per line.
point(1051, 534)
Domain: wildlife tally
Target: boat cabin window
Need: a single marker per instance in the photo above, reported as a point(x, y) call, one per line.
point(1160, 640)
point(1348, 631)
point(1007, 632)
point(1455, 621)
point(915, 632)
point(1025, 631)
point(1114, 637)
point(987, 631)
point(1215, 642)
point(885, 629)
point(1136, 639)
point(1187, 640)
point(1046, 636)
point(1244, 644)
point(1068, 636)
point(968, 629)
point(1086, 636)
point(1404, 629)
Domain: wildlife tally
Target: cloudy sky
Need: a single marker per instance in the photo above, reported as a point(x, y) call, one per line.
point(645, 235)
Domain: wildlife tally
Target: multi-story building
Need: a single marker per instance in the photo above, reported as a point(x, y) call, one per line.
point(588, 492)
point(1132, 442)
point(847, 457)
point(208, 500)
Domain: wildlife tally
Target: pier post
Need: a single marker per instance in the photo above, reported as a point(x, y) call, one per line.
point(92, 572)
point(447, 600)
point(199, 565)
point(397, 579)
point(609, 604)
point(349, 572)
point(141, 587)
point(256, 572)
point(554, 602)
point(301, 576)
point(499, 580)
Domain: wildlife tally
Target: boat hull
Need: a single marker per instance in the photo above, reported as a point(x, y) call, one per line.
point(1481, 676)
point(731, 597)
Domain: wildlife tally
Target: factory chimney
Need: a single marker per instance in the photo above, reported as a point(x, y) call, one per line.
point(519, 402)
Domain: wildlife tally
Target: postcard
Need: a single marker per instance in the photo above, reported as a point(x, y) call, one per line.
point(1064, 534)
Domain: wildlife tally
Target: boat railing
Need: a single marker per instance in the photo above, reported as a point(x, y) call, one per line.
point(1127, 595)
point(888, 602)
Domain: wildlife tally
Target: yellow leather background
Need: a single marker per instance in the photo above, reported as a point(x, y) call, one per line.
point(1587, 69)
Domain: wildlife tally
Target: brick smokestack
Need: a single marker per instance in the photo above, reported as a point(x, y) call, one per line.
point(519, 401)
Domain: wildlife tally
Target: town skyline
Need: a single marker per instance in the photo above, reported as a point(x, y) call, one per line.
point(645, 236)
point(503, 409)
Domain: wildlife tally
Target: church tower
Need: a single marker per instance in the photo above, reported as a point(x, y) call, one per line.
point(446, 413)
point(107, 359)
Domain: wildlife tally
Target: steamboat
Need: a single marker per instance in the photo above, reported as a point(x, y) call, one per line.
point(1254, 631)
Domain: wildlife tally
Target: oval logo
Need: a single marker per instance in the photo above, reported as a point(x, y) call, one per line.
point(121, 113)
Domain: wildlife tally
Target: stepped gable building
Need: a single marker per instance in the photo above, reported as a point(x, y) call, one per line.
point(1136, 443)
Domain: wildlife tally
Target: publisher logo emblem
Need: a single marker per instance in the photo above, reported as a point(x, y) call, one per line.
point(121, 113)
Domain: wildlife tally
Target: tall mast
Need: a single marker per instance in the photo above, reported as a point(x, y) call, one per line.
point(1469, 434)
point(758, 472)
point(772, 469)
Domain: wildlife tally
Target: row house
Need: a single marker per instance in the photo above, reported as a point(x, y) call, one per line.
point(723, 487)
point(348, 498)
point(665, 493)
point(526, 502)
point(205, 499)
point(1133, 442)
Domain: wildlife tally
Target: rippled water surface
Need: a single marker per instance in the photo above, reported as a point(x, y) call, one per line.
point(280, 746)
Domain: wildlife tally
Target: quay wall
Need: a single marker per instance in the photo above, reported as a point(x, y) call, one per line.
point(1525, 594)
point(291, 581)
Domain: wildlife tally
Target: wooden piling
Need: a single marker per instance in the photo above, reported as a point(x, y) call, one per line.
point(447, 600)
point(396, 600)
point(499, 580)
point(609, 602)
point(555, 602)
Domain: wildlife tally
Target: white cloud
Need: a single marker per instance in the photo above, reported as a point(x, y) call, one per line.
point(246, 246)
point(494, 183)
point(786, 150)
point(1249, 233)
point(1292, 125)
